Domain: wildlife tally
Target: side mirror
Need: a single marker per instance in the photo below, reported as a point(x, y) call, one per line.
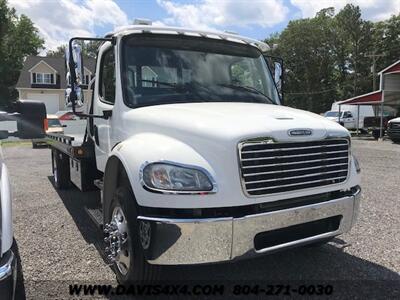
point(276, 67)
point(74, 77)
point(30, 120)
point(278, 76)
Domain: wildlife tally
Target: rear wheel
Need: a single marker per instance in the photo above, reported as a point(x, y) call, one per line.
point(123, 241)
point(61, 171)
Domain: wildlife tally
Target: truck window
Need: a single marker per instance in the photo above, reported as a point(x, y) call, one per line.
point(163, 70)
point(242, 74)
point(107, 77)
point(54, 122)
point(347, 114)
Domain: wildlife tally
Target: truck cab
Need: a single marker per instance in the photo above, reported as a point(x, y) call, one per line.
point(196, 158)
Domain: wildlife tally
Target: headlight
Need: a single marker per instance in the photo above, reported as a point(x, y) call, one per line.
point(357, 164)
point(165, 176)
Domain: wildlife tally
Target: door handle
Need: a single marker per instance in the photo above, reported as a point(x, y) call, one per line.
point(96, 135)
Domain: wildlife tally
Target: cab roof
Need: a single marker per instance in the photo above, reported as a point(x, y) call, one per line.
point(219, 35)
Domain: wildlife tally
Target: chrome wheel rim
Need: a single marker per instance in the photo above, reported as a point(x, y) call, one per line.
point(121, 239)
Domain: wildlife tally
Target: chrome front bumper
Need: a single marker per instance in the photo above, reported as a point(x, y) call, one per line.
point(194, 241)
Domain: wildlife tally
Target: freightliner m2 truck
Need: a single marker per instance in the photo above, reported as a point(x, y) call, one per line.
point(196, 158)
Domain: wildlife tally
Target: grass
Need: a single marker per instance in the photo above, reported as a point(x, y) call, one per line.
point(15, 143)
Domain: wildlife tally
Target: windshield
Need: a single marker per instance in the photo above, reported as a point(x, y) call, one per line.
point(54, 122)
point(332, 114)
point(162, 69)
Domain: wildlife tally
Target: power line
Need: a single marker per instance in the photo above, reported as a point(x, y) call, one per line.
point(374, 56)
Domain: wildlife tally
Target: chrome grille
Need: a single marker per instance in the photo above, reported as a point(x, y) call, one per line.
point(394, 127)
point(269, 168)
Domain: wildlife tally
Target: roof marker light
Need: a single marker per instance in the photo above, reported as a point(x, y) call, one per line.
point(142, 22)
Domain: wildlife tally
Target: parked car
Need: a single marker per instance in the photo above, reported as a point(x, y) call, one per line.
point(8, 253)
point(29, 116)
point(349, 115)
point(65, 115)
point(393, 130)
point(373, 125)
point(52, 124)
point(346, 118)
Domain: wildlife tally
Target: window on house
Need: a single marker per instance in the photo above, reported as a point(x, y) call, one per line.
point(43, 78)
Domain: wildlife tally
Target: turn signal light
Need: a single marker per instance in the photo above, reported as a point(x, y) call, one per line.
point(46, 124)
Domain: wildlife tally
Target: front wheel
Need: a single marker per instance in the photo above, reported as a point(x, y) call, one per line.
point(125, 248)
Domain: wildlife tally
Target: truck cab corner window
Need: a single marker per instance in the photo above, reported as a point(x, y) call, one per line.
point(107, 77)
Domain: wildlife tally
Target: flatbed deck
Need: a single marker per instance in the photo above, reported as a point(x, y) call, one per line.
point(69, 145)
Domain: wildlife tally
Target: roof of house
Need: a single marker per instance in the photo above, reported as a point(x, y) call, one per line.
point(58, 63)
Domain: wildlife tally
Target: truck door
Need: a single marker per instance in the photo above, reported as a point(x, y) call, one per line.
point(348, 120)
point(104, 99)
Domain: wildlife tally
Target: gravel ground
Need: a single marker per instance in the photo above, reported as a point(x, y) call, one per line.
point(58, 244)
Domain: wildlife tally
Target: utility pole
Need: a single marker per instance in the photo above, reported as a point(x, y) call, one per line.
point(374, 57)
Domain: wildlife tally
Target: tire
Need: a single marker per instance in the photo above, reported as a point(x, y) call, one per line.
point(135, 267)
point(61, 173)
point(20, 286)
point(376, 133)
point(34, 145)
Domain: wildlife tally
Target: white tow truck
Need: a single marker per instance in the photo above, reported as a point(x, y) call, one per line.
point(196, 158)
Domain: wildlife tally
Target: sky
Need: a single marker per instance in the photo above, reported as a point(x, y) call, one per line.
point(59, 20)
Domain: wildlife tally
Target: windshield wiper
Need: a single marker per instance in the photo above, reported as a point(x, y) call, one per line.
point(188, 86)
point(248, 89)
point(174, 85)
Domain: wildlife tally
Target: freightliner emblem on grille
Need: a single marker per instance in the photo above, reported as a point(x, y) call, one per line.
point(299, 132)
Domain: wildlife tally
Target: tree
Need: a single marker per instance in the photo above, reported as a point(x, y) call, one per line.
point(353, 41)
point(306, 47)
point(18, 39)
point(326, 56)
point(386, 41)
point(89, 49)
point(59, 52)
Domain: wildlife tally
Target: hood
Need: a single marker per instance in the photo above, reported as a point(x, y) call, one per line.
point(332, 118)
point(233, 121)
point(395, 120)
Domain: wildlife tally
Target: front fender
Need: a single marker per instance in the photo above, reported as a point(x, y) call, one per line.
point(5, 210)
point(152, 147)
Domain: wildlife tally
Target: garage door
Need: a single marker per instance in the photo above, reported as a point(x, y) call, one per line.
point(50, 100)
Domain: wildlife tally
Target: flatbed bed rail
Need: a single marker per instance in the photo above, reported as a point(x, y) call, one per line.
point(63, 143)
point(66, 139)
